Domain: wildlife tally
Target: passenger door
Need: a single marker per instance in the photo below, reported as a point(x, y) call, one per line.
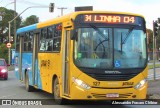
point(20, 57)
point(35, 58)
point(66, 68)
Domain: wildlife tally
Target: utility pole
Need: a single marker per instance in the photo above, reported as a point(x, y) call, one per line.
point(62, 8)
point(154, 70)
point(14, 21)
point(156, 29)
point(9, 49)
point(9, 35)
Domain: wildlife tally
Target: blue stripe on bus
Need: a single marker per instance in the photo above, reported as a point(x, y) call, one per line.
point(27, 64)
point(27, 28)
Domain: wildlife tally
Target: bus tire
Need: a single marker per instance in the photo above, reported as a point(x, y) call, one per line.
point(56, 93)
point(27, 86)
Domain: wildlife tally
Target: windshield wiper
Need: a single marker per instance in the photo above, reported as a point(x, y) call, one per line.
point(101, 34)
point(101, 41)
point(127, 35)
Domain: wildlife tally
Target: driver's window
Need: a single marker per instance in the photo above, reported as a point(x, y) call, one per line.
point(85, 45)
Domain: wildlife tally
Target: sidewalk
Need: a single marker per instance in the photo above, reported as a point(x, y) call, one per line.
point(154, 85)
point(154, 90)
point(151, 73)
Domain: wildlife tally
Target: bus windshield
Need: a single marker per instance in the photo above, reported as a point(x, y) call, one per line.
point(108, 48)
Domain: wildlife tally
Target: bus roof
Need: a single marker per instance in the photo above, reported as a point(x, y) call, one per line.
point(74, 14)
point(68, 17)
point(27, 28)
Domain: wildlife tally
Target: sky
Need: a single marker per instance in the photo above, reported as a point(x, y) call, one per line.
point(148, 8)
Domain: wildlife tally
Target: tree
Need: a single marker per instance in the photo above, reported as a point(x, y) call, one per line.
point(158, 42)
point(30, 20)
point(4, 51)
point(150, 44)
point(150, 39)
point(7, 15)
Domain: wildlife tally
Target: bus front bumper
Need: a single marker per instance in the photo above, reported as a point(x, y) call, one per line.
point(78, 93)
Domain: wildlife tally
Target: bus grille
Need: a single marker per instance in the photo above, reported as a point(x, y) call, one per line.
point(112, 77)
point(126, 95)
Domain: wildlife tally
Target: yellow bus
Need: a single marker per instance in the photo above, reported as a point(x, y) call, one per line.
point(85, 55)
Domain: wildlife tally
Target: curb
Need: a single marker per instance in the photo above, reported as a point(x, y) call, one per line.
point(153, 96)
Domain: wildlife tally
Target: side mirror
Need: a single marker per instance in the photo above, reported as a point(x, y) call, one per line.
point(73, 34)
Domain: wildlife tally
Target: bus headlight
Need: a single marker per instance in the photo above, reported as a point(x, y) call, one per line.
point(4, 70)
point(140, 84)
point(81, 83)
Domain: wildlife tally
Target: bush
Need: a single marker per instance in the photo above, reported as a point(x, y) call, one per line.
point(4, 51)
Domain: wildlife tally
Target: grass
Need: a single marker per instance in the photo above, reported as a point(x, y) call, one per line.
point(156, 66)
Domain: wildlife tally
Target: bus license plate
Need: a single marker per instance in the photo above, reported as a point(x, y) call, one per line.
point(112, 95)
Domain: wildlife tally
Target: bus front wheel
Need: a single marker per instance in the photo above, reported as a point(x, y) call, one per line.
point(56, 92)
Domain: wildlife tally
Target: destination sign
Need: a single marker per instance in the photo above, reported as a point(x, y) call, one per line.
point(115, 19)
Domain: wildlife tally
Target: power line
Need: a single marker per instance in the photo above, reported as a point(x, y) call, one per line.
point(29, 3)
point(1, 1)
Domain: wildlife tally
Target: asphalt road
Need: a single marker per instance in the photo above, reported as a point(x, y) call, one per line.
point(13, 89)
point(151, 73)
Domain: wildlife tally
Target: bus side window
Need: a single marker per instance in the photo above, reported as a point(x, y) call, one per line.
point(17, 43)
point(43, 39)
point(25, 46)
point(43, 34)
point(26, 39)
point(49, 41)
point(30, 41)
point(42, 45)
point(50, 32)
point(57, 44)
point(57, 37)
point(49, 45)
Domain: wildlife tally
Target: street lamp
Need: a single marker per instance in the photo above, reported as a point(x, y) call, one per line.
point(9, 4)
point(5, 7)
point(1, 13)
point(9, 27)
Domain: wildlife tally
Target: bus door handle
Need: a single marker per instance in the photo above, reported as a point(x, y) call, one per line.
point(67, 59)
